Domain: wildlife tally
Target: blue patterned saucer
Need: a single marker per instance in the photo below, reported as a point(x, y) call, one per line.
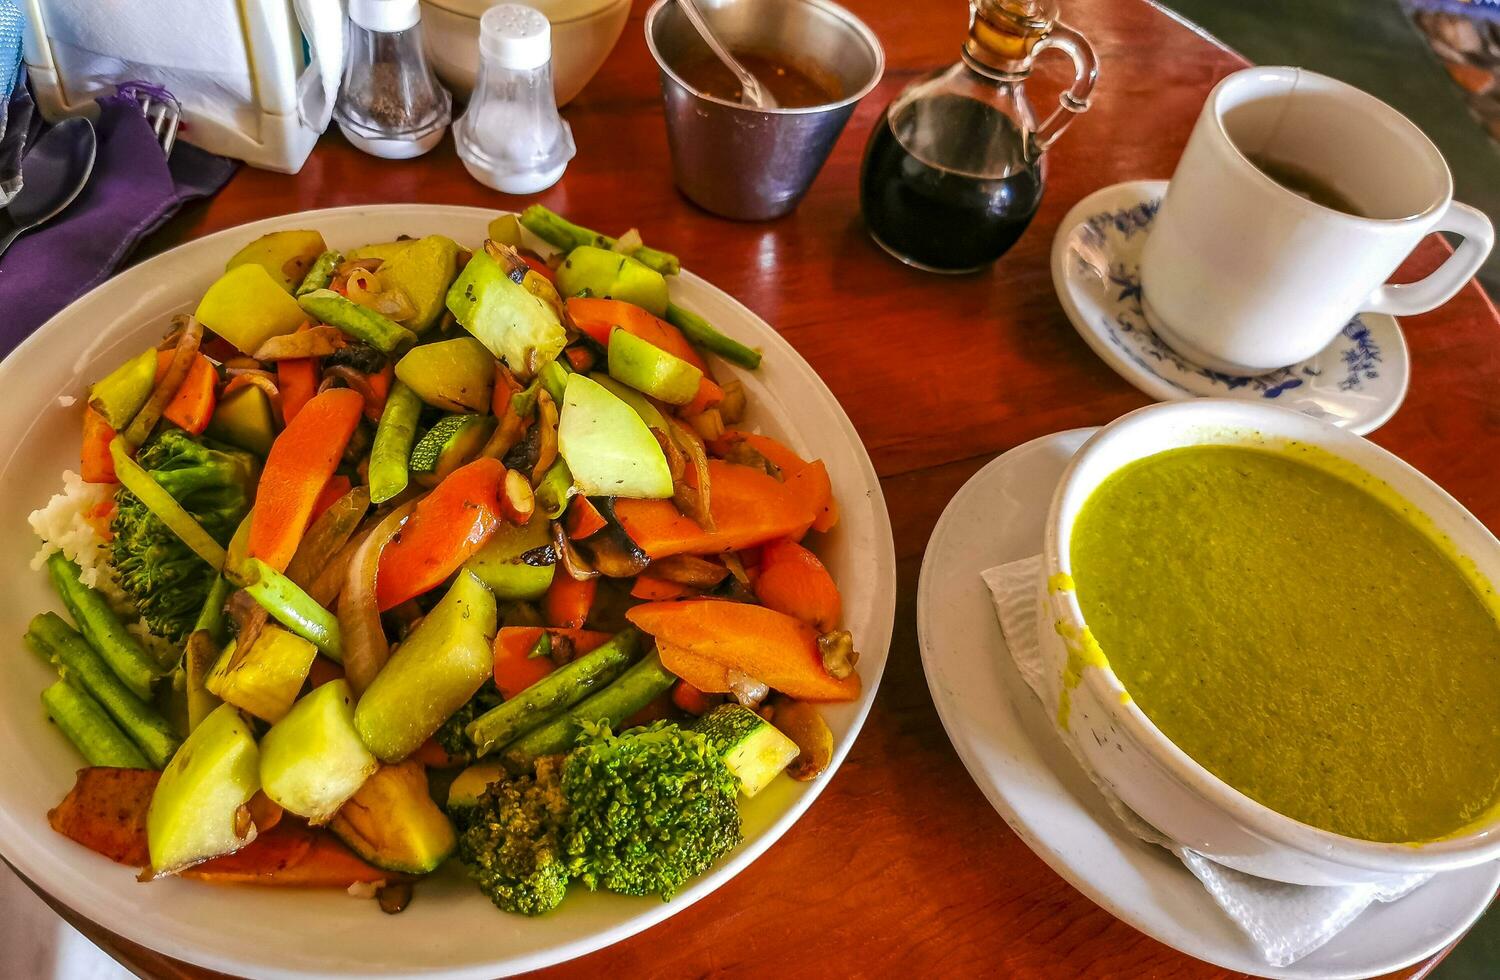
point(1357, 382)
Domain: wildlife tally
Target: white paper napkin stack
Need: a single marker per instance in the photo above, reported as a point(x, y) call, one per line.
point(1285, 922)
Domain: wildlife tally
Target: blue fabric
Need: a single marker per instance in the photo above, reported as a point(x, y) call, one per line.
point(12, 23)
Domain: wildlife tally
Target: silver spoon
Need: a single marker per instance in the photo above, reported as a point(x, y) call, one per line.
point(53, 172)
point(751, 91)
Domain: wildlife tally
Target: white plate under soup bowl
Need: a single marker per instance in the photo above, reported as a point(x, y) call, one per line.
point(1154, 777)
point(450, 931)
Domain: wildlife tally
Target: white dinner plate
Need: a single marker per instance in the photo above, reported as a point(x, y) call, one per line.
point(450, 930)
point(1007, 742)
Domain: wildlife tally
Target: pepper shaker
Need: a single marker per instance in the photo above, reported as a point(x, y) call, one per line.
point(390, 103)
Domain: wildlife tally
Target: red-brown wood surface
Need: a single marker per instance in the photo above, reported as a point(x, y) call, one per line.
point(901, 867)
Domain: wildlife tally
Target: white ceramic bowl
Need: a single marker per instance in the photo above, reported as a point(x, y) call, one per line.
point(1155, 778)
point(584, 32)
point(450, 932)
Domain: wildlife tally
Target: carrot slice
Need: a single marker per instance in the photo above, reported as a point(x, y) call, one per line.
point(448, 526)
point(516, 669)
point(193, 404)
point(707, 676)
point(583, 519)
point(105, 811)
point(812, 485)
point(792, 580)
point(748, 508)
point(96, 465)
point(767, 645)
point(568, 601)
point(659, 590)
point(301, 460)
point(297, 379)
point(336, 487)
point(709, 395)
point(597, 317)
point(688, 698)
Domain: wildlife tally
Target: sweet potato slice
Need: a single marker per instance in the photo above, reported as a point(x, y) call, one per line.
point(293, 855)
point(748, 508)
point(769, 646)
point(105, 811)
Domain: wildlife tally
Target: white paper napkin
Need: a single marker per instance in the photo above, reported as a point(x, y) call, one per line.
point(1285, 922)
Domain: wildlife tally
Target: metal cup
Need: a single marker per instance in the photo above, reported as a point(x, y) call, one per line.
point(754, 164)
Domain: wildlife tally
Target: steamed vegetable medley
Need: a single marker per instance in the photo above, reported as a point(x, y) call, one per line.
point(417, 552)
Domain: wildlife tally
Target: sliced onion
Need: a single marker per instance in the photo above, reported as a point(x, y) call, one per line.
point(693, 500)
point(190, 336)
point(628, 243)
point(351, 377)
point(365, 646)
point(249, 617)
point(317, 341)
point(242, 364)
point(363, 288)
point(329, 533)
point(569, 558)
point(746, 689)
point(329, 582)
point(546, 453)
point(736, 567)
point(366, 265)
point(259, 379)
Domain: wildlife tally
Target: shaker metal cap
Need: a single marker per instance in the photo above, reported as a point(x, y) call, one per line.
point(516, 37)
point(385, 16)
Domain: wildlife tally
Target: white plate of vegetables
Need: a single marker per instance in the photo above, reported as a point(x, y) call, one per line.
point(413, 559)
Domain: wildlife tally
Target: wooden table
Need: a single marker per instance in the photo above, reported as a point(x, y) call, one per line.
point(901, 867)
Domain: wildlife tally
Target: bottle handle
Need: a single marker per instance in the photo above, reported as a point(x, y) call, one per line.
point(1075, 98)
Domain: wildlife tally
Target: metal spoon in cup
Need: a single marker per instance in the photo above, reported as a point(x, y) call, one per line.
point(752, 93)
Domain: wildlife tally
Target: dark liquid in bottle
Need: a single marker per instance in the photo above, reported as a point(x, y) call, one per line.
point(950, 185)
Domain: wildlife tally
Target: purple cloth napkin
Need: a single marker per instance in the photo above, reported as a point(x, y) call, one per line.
point(132, 191)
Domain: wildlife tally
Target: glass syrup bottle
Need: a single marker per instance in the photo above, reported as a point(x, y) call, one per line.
point(953, 171)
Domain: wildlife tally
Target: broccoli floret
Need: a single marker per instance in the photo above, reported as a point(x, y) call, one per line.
point(649, 809)
point(638, 813)
point(512, 845)
point(165, 580)
point(451, 736)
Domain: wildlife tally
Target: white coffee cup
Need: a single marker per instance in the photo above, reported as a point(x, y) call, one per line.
point(1243, 275)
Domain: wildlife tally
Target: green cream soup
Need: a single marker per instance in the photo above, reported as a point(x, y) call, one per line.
point(1298, 637)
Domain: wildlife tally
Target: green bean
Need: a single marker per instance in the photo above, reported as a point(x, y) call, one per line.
point(294, 608)
point(393, 440)
point(556, 230)
point(321, 273)
point(102, 628)
point(359, 322)
point(211, 616)
point(89, 729)
point(553, 694)
point(702, 333)
point(54, 639)
point(631, 692)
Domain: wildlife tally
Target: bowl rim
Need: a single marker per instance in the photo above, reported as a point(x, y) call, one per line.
point(859, 27)
point(599, 8)
point(1480, 843)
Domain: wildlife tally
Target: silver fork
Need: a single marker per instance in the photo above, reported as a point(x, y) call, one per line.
point(162, 111)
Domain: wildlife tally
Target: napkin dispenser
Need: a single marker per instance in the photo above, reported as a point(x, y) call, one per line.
point(256, 78)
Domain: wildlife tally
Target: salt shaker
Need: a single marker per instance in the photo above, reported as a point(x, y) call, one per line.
point(511, 138)
point(390, 103)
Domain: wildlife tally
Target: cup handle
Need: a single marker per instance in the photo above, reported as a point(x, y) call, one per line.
point(1439, 286)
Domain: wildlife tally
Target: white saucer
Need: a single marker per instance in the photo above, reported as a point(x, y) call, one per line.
point(1007, 742)
point(1356, 382)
